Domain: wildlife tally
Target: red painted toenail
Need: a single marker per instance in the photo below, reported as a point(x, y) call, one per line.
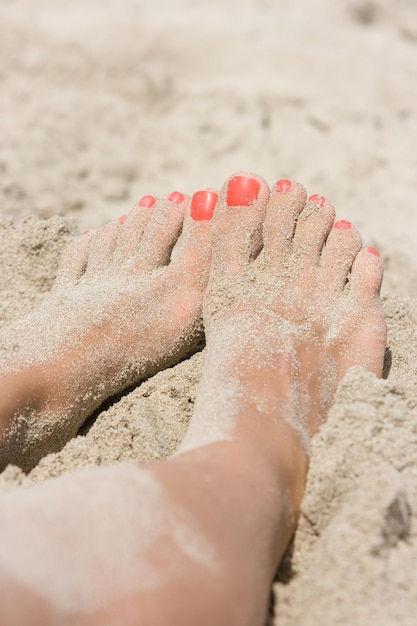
point(342, 225)
point(177, 197)
point(373, 251)
point(242, 191)
point(122, 219)
point(283, 186)
point(147, 201)
point(202, 205)
point(86, 232)
point(320, 200)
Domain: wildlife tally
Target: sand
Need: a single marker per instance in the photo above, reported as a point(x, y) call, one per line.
point(101, 103)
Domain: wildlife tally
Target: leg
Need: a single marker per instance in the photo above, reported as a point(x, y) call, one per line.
point(127, 302)
point(197, 539)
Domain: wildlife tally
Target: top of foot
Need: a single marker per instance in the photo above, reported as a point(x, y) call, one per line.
point(293, 298)
point(127, 302)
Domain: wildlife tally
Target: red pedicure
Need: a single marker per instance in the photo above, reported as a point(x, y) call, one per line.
point(242, 191)
point(320, 200)
point(86, 232)
point(147, 201)
point(283, 185)
point(202, 205)
point(342, 225)
point(177, 197)
point(122, 219)
point(373, 251)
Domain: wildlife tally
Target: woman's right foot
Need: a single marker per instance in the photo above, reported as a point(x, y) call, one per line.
point(292, 303)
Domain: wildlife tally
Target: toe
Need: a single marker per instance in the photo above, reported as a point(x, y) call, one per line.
point(287, 200)
point(192, 254)
point(102, 247)
point(133, 227)
point(342, 246)
point(313, 226)
point(366, 275)
point(162, 232)
point(74, 260)
point(363, 296)
point(237, 222)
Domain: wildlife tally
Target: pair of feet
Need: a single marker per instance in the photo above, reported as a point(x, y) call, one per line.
point(288, 300)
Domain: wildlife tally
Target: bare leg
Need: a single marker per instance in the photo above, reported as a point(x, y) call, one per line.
point(121, 309)
point(197, 539)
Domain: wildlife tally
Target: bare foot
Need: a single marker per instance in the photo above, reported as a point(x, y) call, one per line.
point(292, 303)
point(127, 301)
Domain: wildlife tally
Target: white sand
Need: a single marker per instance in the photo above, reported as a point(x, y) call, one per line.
point(102, 102)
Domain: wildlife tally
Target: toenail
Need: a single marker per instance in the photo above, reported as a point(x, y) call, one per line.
point(320, 200)
point(147, 201)
point(122, 219)
point(283, 185)
point(202, 205)
point(373, 251)
point(177, 197)
point(86, 232)
point(342, 225)
point(242, 191)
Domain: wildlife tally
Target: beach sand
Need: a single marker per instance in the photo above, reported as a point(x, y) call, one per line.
point(101, 103)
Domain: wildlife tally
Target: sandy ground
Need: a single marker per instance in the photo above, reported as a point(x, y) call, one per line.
point(103, 102)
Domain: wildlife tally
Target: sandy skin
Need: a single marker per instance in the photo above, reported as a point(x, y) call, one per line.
point(292, 302)
point(120, 310)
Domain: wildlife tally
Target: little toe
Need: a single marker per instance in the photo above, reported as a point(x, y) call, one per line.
point(73, 260)
point(342, 246)
point(133, 227)
point(366, 275)
point(287, 200)
point(102, 247)
point(237, 222)
point(363, 297)
point(313, 226)
point(162, 232)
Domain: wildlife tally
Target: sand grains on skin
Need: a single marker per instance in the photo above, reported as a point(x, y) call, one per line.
point(283, 326)
point(126, 302)
point(294, 293)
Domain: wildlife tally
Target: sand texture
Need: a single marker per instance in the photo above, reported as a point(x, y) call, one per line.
point(103, 102)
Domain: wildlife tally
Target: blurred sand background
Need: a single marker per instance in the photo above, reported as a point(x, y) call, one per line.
point(103, 102)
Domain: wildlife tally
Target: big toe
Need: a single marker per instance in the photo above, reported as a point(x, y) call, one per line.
point(237, 224)
point(191, 256)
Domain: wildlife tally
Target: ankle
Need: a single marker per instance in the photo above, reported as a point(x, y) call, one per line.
point(276, 448)
point(20, 392)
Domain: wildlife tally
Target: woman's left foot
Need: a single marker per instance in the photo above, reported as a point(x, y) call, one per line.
point(127, 302)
